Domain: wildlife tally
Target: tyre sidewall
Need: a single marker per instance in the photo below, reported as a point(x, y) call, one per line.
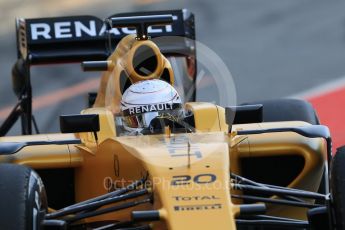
point(22, 198)
point(338, 187)
point(36, 204)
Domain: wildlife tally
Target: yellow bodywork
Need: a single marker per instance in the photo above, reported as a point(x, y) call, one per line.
point(188, 173)
point(164, 159)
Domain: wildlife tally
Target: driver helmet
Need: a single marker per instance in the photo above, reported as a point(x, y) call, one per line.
point(145, 100)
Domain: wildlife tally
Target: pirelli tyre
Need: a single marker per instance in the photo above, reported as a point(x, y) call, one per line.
point(22, 198)
point(338, 187)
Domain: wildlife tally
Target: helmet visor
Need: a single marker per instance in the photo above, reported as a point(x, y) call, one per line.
point(139, 120)
point(143, 120)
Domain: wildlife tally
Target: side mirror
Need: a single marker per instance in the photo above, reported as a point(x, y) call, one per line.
point(79, 123)
point(243, 114)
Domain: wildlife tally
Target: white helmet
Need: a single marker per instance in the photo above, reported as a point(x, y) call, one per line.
point(145, 100)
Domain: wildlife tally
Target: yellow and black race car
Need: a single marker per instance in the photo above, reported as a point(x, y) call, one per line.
point(258, 165)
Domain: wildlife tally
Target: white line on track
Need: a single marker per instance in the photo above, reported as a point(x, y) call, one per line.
point(321, 89)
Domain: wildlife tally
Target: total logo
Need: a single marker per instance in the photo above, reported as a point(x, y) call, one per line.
point(196, 198)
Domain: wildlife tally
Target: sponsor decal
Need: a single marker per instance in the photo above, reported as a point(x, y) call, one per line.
point(178, 146)
point(83, 26)
point(196, 198)
point(199, 207)
point(151, 108)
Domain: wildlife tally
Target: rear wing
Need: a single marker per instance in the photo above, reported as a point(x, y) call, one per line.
point(82, 38)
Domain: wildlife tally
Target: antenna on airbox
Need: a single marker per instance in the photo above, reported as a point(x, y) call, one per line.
point(140, 23)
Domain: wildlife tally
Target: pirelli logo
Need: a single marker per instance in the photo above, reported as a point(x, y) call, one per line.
point(199, 207)
point(151, 108)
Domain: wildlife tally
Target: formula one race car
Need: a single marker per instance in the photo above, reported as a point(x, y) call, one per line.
point(145, 156)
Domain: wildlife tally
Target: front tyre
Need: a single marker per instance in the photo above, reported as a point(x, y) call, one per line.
point(338, 187)
point(22, 198)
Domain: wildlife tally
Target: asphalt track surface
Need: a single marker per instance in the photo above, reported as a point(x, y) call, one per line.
point(273, 49)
